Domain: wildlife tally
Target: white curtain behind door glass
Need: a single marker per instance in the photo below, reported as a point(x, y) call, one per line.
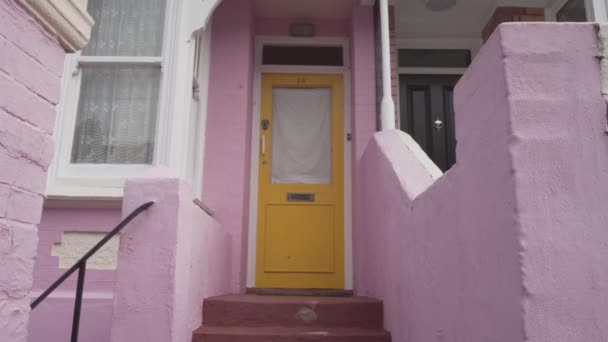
point(126, 27)
point(301, 136)
point(116, 121)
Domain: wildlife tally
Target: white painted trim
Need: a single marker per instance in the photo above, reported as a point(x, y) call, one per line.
point(64, 175)
point(302, 69)
point(198, 159)
point(173, 131)
point(56, 193)
point(88, 60)
point(200, 14)
point(348, 183)
point(603, 49)
point(426, 162)
point(66, 19)
point(387, 105)
point(302, 41)
point(373, 2)
point(600, 10)
point(253, 183)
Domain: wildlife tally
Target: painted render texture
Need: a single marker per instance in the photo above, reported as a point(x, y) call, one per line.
point(228, 136)
point(510, 244)
point(51, 320)
point(31, 65)
point(172, 257)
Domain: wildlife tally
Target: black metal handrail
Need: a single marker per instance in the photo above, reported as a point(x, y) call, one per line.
point(81, 266)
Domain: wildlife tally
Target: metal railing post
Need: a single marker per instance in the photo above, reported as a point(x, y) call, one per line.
point(78, 302)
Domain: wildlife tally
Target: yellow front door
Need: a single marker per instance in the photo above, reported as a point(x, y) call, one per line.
point(300, 228)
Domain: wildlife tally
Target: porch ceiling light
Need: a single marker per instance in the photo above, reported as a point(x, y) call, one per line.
point(439, 5)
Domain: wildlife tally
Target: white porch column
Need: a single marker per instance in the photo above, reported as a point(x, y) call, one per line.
point(598, 9)
point(387, 108)
point(200, 13)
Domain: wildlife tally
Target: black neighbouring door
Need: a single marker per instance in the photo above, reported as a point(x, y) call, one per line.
point(427, 114)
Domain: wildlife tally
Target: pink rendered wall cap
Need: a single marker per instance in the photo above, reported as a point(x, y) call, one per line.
point(171, 257)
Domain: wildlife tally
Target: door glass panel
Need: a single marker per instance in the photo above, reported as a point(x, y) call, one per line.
point(419, 116)
point(450, 129)
point(303, 55)
point(440, 58)
point(301, 136)
point(573, 11)
point(427, 114)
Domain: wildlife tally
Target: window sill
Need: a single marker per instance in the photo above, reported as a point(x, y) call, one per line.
point(83, 197)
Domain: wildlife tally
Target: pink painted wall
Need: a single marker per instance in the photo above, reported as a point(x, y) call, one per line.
point(509, 245)
point(228, 137)
point(363, 71)
point(560, 162)
point(51, 321)
point(363, 98)
point(227, 158)
point(171, 257)
point(323, 27)
point(31, 64)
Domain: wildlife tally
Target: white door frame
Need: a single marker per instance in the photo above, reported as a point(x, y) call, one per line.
point(255, 137)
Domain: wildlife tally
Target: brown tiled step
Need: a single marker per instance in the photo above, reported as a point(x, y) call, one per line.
point(329, 312)
point(285, 334)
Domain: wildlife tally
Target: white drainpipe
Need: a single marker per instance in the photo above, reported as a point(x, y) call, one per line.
point(387, 108)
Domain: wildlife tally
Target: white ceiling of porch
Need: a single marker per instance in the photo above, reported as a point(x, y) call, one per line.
point(465, 20)
point(321, 9)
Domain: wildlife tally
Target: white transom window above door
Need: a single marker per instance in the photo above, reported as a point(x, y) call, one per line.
point(117, 115)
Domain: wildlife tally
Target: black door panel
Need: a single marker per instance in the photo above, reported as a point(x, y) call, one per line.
point(427, 114)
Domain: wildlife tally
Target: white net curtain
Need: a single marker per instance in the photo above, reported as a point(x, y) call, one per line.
point(301, 136)
point(118, 106)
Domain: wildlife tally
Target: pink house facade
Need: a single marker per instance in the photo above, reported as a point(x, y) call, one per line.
point(342, 170)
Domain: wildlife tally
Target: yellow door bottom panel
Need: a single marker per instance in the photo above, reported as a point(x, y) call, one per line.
point(299, 239)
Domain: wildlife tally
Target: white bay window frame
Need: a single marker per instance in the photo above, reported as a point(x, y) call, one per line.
point(174, 136)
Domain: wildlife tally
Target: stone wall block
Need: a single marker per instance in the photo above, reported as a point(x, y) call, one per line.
point(25, 105)
point(22, 139)
point(24, 207)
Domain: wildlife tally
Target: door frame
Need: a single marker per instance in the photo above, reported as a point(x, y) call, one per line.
point(260, 41)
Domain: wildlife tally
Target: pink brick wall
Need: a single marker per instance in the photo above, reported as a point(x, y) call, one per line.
point(31, 64)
